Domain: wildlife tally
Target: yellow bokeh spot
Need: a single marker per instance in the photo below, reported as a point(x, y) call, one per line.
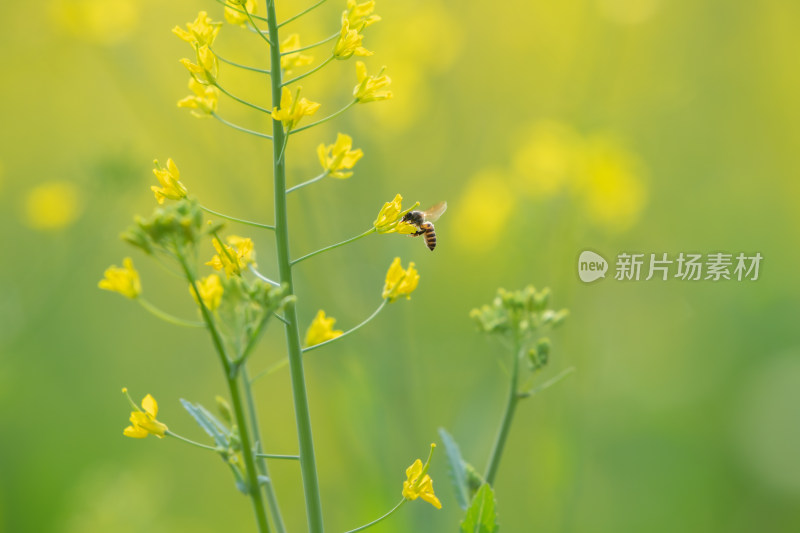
point(610, 184)
point(482, 212)
point(52, 205)
point(103, 22)
point(545, 163)
point(628, 12)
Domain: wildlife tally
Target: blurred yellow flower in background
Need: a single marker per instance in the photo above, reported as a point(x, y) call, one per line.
point(234, 10)
point(124, 280)
point(488, 192)
point(292, 110)
point(211, 291)
point(52, 205)
point(290, 61)
point(103, 22)
point(321, 329)
point(610, 184)
point(546, 162)
point(201, 31)
point(234, 256)
point(169, 178)
point(338, 156)
point(143, 422)
point(399, 281)
point(203, 102)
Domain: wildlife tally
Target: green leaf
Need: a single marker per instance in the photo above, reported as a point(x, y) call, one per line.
point(481, 516)
point(458, 475)
point(215, 429)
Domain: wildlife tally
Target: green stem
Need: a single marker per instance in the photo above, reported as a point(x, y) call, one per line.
point(349, 331)
point(167, 317)
point(262, 277)
point(295, 17)
point(269, 488)
point(253, 489)
point(326, 119)
point(310, 46)
point(332, 246)
point(269, 39)
point(505, 425)
point(239, 65)
point(241, 100)
point(308, 467)
point(239, 220)
point(309, 73)
point(278, 456)
point(239, 128)
point(193, 443)
point(547, 384)
point(309, 182)
point(387, 515)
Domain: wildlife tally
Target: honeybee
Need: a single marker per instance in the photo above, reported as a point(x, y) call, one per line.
point(424, 220)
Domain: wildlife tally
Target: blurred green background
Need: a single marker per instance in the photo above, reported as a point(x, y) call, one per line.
point(612, 125)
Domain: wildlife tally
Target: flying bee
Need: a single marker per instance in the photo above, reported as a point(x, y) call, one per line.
point(424, 220)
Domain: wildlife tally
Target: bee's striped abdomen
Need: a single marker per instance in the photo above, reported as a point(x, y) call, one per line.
point(430, 234)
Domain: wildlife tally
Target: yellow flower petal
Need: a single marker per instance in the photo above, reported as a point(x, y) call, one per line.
point(338, 156)
point(292, 110)
point(371, 88)
point(399, 281)
point(321, 329)
point(123, 280)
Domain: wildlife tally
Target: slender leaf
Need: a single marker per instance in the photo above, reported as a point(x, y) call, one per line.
point(215, 429)
point(458, 475)
point(481, 516)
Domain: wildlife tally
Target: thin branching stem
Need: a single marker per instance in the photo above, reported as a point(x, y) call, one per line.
point(262, 277)
point(239, 65)
point(309, 182)
point(239, 220)
point(155, 311)
point(309, 73)
point(310, 46)
point(349, 331)
point(255, 28)
point(242, 11)
point(189, 441)
point(387, 515)
point(283, 362)
point(326, 119)
point(332, 246)
point(295, 17)
point(240, 128)
point(242, 100)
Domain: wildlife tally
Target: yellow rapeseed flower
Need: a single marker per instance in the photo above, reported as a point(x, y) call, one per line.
point(204, 101)
point(169, 178)
point(234, 8)
point(360, 15)
point(321, 329)
point(143, 422)
point(290, 61)
point(418, 483)
point(123, 280)
point(210, 289)
point(400, 282)
point(371, 88)
point(349, 42)
point(201, 31)
point(234, 256)
point(292, 110)
point(390, 218)
point(206, 69)
point(338, 156)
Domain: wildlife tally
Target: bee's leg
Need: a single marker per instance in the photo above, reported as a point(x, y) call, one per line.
point(417, 233)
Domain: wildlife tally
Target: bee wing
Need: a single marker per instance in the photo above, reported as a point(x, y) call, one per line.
point(433, 213)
